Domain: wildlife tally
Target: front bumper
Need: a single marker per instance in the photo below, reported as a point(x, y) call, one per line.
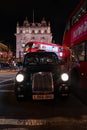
point(41, 87)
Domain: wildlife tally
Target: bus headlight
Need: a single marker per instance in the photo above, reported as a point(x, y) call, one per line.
point(20, 77)
point(64, 77)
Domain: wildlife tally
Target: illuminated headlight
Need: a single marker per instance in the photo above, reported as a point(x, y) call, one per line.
point(20, 77)
point(64, 76)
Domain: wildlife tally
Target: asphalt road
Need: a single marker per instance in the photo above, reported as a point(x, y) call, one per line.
point(63, 114)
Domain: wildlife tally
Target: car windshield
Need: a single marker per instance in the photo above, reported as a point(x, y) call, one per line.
point(41, 58)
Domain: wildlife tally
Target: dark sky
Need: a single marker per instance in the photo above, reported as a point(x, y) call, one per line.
point(55, 11)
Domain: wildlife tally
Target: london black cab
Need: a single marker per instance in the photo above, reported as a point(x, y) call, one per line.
point(43, 77)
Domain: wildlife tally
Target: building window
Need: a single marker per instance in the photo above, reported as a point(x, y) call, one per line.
point(39, 31)
point(32, 38)
point(36, 31)
point(23, 31)
point(20, 30)
point(43, 39)
point(33, 31)
point(42, 31)
point(45, 31)
point(27, 31)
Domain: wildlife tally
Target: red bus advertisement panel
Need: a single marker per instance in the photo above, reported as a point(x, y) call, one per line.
point(79, 31)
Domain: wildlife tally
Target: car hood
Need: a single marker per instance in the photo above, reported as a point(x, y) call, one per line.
point(41, 68)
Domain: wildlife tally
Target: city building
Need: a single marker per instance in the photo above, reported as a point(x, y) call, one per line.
point(31, 32)
point(5, 53)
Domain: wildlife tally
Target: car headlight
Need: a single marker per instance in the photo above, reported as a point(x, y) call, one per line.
point(20, 77)
point(64, 76)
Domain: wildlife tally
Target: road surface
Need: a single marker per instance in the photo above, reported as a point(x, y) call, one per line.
point(68, 114)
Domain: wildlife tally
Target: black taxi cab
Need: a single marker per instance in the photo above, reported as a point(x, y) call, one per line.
point(42, 77)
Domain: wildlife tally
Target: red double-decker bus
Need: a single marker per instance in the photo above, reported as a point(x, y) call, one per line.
point(34, 46)
point(75, 35)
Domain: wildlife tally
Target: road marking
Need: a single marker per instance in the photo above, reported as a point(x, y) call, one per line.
point(15, 128)
point(6, 91)
point(1, 86)
point(6, 80)
point(40, 122)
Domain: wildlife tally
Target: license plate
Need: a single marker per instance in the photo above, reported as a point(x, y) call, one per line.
point(42, 97)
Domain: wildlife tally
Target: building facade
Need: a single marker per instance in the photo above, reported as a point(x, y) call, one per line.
point(31, 32)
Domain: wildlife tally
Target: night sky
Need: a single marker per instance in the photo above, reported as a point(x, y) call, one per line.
point(55, 11)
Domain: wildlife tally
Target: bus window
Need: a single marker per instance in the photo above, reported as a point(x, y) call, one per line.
point(79, 51)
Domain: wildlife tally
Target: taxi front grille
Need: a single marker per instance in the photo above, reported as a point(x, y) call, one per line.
point(42, 82)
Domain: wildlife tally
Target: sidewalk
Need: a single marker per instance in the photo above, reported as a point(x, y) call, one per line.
point(9, 70)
